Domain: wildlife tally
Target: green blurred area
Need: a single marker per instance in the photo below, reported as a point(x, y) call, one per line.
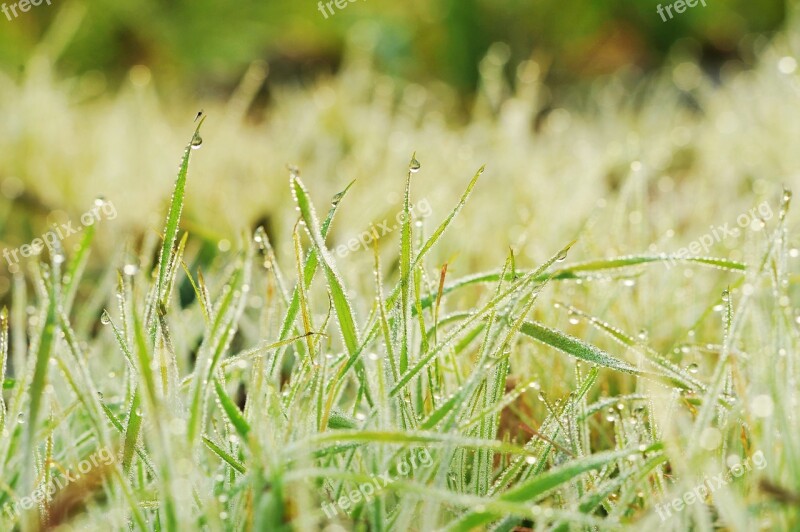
point(206, 44)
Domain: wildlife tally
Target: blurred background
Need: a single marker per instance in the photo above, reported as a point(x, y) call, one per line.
point(203, 46)
point(596, 120)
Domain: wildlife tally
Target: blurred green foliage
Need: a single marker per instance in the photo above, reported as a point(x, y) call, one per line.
point(189, 41)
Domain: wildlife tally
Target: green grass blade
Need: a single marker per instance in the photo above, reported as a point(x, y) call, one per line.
point(174, 216)
point(575, 347)
point(232, 411)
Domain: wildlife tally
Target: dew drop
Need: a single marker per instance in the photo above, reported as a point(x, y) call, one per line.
point(562, 256)
point(786, 200)
point(414, 165)
point(21, 418)
point(693, 368)
point(105, 319)
point(130, 269)
point(197, 141)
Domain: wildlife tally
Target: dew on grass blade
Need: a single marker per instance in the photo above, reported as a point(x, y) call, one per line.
point(785, 201)
point(414, 165)
point(337, 198)
point(105, 319)
point(197, 141)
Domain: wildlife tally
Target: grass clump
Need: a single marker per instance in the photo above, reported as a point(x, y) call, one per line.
point(256, 394)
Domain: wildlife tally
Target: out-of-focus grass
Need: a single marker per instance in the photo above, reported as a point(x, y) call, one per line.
point(244, 382)
point(205, 43)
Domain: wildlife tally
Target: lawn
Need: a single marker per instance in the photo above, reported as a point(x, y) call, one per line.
point(357, 307)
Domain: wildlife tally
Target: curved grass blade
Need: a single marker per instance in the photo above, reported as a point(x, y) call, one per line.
point(573, 271)
point(575, 347)
point(530, 490)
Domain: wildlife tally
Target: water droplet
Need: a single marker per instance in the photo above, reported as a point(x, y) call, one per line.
point(197, 141)
point(726, 295)
point(105, 319)
point(785, 201)
point(541, 396)
point(21, 418)
point(260, 235)
point(100, 395)
point(530, 459)
point(562, 256)
point(336, 199)
point(693, 368)
point(414, 165)
point(130, 269)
